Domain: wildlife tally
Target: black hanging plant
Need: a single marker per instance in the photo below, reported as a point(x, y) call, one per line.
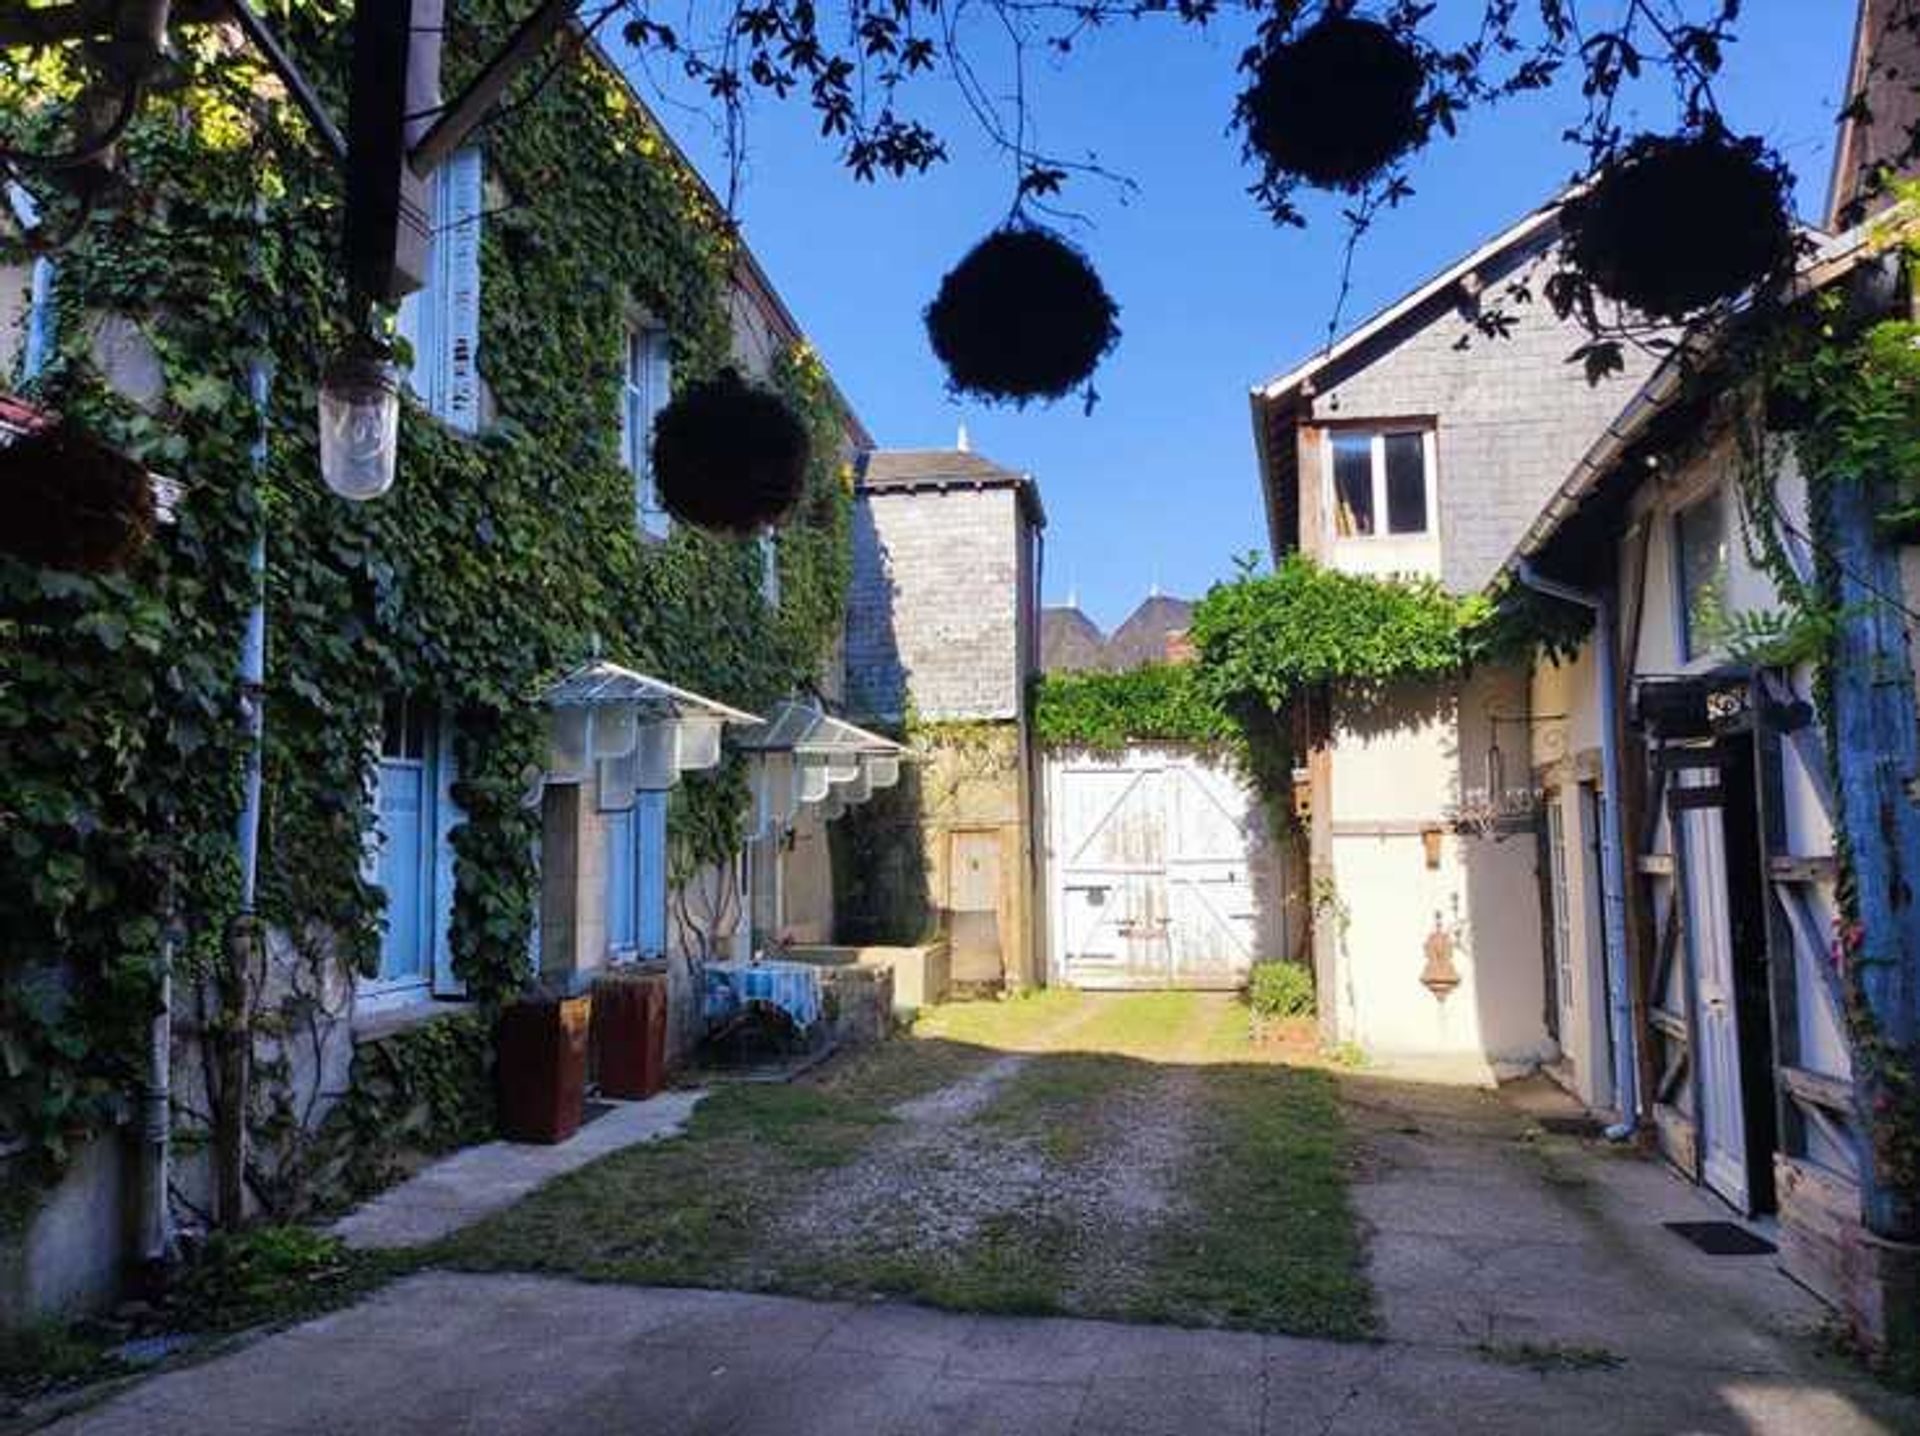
point(730, 456)
point(1335, 104)
point(69, 501)
point(1022, 316)
point(1674, 224)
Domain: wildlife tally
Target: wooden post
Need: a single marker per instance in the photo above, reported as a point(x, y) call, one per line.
point(1875, 747)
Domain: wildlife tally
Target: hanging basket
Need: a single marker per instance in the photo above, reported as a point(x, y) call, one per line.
point(1677, 223)
point(68, 501)
point(1335, 104)
point(730, 456)
point(1023, 316)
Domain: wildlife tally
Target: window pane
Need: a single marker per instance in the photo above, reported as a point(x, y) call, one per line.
point(1352, 485)
point(1701, 533)
point(1406, 484)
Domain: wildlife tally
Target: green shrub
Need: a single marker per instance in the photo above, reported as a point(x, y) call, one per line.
point(1280, 989)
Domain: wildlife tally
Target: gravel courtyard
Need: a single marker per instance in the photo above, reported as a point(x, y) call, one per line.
point(1127, 1156)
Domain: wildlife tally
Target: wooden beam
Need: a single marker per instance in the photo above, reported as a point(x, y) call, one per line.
point(282, 64)
point(1817, 1089)
point(460, 118)
point(1789, 869)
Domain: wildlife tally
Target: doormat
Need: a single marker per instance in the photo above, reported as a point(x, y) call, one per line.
point(1571, 1126)
point(1722, 1238)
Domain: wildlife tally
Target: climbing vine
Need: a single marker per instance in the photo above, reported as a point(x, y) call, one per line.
point(1267, 642)
point(499, 560)
point(1846, 385)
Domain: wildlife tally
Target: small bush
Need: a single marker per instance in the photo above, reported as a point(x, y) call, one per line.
point(1280, 989)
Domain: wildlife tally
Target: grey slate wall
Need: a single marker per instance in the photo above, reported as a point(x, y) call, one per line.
point(935, 611)
point(1513, 416)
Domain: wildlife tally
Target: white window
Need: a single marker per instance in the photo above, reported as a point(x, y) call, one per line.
point(770, 569)
point(36, 349)
point(441, 321)
point(646, 382)
point(1381, 483)
point(1700, 563)
point(1562, 914)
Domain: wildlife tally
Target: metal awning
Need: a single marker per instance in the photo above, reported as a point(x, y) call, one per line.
point(806, 756)
point(640, 733)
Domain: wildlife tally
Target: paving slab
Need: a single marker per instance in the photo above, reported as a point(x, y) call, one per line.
point(476, 1182)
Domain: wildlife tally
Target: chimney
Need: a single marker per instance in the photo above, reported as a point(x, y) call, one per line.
point(962, 442)
point(1879, 112)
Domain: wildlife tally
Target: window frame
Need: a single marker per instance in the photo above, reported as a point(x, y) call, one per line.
point(646, 368)
point(1690, 643)
point(1378, 432)
point(439, 815)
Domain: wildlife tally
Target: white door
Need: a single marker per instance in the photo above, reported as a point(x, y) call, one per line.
point(1149, 871)
point(1723, 1133)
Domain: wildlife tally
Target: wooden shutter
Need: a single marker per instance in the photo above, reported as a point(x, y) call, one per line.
point(459, 243)
point(650, 833)
point(40, 316)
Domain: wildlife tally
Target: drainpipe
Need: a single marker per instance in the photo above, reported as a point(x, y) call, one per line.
point(1613, 849)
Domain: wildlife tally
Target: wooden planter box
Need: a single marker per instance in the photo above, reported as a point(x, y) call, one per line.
point(630, 1035)
point(542, 1068)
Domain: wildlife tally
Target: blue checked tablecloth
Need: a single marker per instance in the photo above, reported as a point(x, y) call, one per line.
point(793, 987)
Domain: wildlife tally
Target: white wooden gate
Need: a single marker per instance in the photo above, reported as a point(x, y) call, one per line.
point(1157, 862)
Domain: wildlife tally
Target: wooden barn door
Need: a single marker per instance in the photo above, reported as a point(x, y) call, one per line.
point(1150, 871)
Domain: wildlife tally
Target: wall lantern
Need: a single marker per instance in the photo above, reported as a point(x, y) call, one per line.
point(359, 421)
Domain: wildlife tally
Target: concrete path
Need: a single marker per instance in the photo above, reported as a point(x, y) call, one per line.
point(478, 1181)
point(1526, 1286)
point(446, 1353)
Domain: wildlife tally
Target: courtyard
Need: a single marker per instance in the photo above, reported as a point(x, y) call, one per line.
point(1065, 1213)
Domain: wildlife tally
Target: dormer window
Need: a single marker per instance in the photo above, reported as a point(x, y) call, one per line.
point(1382, 483)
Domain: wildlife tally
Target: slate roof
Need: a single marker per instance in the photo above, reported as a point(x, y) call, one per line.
point(911, 470)
point(1143, 637)
point(1070, 642)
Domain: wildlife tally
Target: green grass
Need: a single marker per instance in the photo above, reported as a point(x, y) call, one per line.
point(1264, 1236)
point(1271, 1242)
point(48, 1356)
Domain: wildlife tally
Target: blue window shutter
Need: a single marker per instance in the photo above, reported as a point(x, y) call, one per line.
point(659, 388)
point(38, 350)
point(650, 819)
point(407, 325)
point(770, 570)
point(446, 817)
point(458, 240)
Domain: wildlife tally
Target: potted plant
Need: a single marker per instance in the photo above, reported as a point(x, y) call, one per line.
point(541, 1070)
point(1674, 224)
point(730, 456)
point(72, 502)
point(1022, 316)
point(630, 1034)
point(1335, 104)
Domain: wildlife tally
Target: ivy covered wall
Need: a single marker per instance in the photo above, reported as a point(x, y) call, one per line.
point(497, 561)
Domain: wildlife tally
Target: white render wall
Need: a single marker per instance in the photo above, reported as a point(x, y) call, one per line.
point(1396, 770)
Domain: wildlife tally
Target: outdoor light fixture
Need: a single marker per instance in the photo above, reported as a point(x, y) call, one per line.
point(359, 421)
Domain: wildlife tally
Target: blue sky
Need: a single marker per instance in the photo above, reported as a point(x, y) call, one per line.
point(1158, 484)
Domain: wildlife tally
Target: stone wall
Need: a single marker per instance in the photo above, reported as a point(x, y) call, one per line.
point(935, 612)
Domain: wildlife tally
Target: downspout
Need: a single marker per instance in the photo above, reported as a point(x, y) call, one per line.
point(1613, 849)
